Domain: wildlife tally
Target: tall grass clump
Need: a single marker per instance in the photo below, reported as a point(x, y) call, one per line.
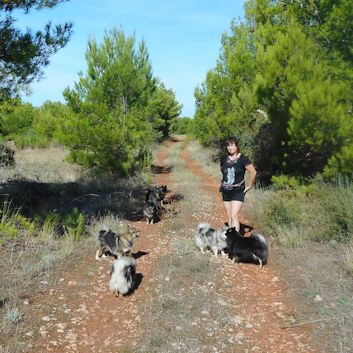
point(75, 224)
point(12, 223)
point(50, 226)
point(348, 258)
point(319, 211)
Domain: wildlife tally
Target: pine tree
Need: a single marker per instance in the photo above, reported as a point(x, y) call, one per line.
point(117, 106)
point(24, 54)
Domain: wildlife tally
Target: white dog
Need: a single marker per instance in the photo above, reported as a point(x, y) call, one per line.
point(122, 276)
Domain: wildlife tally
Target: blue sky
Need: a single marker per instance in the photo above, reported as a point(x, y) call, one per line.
point(183, 38)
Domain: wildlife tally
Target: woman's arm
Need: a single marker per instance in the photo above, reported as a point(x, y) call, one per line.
point(252, 171)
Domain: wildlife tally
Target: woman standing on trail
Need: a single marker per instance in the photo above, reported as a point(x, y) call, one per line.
point(233, 188)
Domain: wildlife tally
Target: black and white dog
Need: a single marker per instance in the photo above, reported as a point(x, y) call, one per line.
point(251, 249)
point(208, 238)
point(123, 276)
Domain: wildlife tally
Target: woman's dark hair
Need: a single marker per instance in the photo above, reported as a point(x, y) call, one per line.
point(231, 139)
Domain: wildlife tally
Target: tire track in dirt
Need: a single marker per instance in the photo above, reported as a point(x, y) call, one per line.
point(258, 295)
point(80, 314)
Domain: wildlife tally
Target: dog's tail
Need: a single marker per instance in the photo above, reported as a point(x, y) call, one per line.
point(203, 228)
point(261, 253)
point(260, 238)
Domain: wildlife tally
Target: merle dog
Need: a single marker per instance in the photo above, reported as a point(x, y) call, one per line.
point(251, 249)
point(207, 238)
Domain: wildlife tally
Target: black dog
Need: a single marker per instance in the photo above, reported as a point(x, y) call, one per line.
point(155, 195)
point(251, 249)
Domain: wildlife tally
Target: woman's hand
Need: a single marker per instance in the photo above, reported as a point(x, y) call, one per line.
point(247, 189)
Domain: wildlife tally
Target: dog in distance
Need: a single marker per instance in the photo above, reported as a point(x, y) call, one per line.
point(155, 195)
point(151, 214)
point(154, 200)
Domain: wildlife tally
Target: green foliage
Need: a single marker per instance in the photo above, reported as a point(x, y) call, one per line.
point(118, 107)
point(50, 117)
point(24, 54)
point(162, 111)
point(27, 126)
point(225, 101)
point(50, 225)
point(277, 213)
point(181, 125)
point(328, 22)
point(282, 84)
point(8, 231)
point(75, 224)
point(16, 118)
point(13, 224)
point(284, 181)
point(321, 212)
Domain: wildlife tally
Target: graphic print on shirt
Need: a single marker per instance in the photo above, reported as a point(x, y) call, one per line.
point(230, 176)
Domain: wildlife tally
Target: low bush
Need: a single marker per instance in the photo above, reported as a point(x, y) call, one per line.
point(320, 211)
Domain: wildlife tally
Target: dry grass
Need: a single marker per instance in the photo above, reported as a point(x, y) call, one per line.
point(44, 165)
point(208, 159)
point(318, 281)
point(348, 258)
point(45, 189)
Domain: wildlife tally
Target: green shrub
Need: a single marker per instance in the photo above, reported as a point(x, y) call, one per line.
point(7, 158)
point(285, 181)
point(49, 226)
point(25, 224)
point(8, 231)
point(337, 205)
point(30, 139)
point(277, 212)
point(75, 224)
point(318, 211)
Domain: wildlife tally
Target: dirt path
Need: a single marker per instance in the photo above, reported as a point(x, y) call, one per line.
point(264, 305)
point(79, 314)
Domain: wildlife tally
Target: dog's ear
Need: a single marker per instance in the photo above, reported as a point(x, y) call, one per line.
point(116, 235)
point(231, 230)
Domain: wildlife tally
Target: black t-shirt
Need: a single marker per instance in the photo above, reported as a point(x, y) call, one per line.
point(233, 171)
